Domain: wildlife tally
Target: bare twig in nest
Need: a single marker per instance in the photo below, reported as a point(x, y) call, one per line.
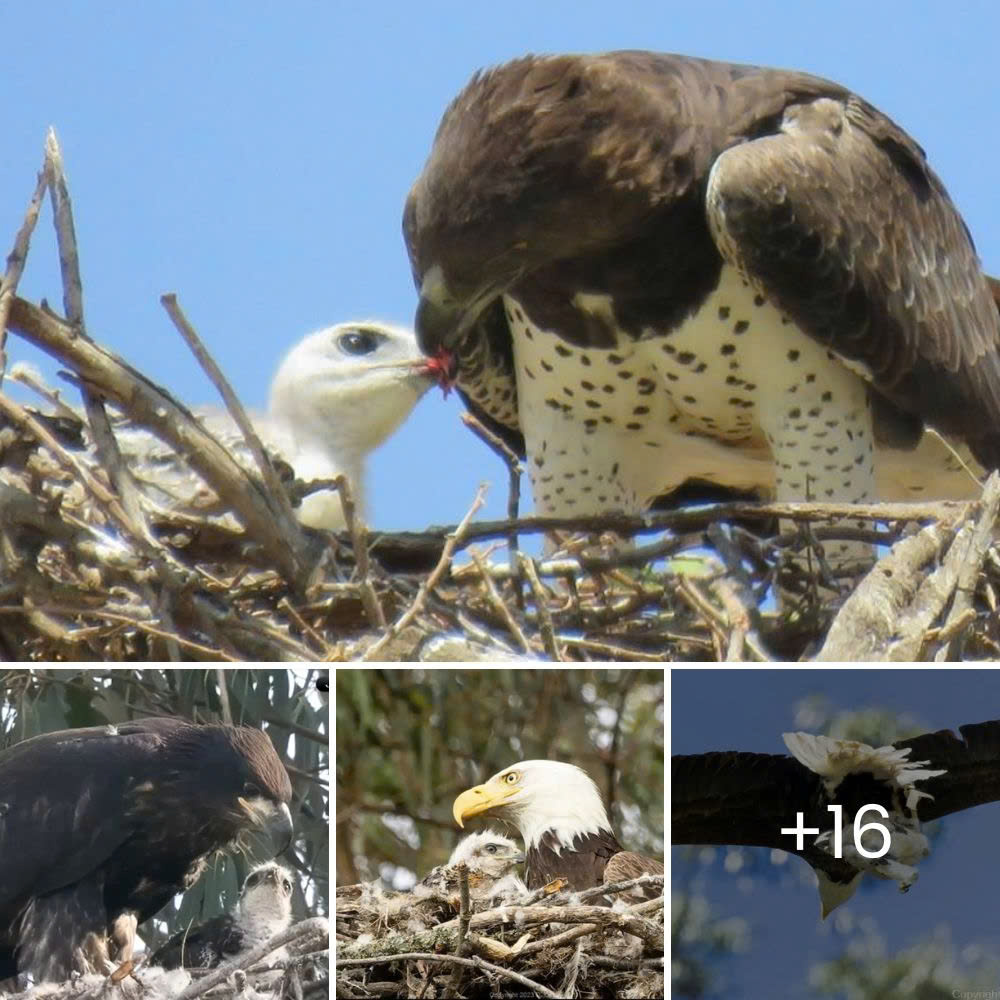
point(431, 582)
point(498, 603)
point(962, 613)
point(461, 947)
point(16, 260)
point(514, 471)
point(631, 922)
point(151, 407)
point(474, 962)
point(300, 933)
point(541, 608)
point(891, 611)
point(359, 539)
point(229, 397)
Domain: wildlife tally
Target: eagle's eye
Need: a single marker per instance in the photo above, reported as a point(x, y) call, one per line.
point(359, 342)
point(511, 777)
point(250, 790)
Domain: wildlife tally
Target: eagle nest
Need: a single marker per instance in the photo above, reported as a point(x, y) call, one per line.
point(256, 975)
point(96, 567)
point(555, 943)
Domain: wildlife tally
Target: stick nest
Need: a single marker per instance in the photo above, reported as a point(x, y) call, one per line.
point(552, 943)
point(96, 567)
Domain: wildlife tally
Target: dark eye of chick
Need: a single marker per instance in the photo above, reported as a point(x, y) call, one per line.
point(492, 848)
point(287, 885)
point(359, 342)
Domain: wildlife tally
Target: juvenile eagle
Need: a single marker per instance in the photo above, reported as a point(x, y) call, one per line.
point(651, 270)
point(490, 859)
point(101, 827)
point(337, 395)
point(731, 797)
point(264, 909)
point(562, 821)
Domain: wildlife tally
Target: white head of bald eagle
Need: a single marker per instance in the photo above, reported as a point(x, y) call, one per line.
point(562, 820)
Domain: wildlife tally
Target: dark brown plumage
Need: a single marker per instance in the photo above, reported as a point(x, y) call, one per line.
point(652, 269)
point(101, 827)
point(732, 797)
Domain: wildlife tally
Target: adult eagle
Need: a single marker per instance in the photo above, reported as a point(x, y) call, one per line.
point(731, 797)
point(648, 270)
point(101, 827)
point(562, 821)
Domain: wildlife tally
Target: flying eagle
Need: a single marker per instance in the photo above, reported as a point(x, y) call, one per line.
point(562, 821)
point(731, 797)
point(337, 395)
point(490, 859)
point(264, 909)
point(101, 827)
point(650, 270)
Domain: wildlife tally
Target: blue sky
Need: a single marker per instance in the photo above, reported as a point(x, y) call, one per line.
point(254, 158)
point(749, 710)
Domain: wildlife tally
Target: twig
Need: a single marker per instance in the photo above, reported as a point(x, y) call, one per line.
point(461, 946)
point(545, 626)
point(427, 956)
point(715, 619)
point(169, 302)
point(430, 583)
point(94, 487)
point(498, 603)
point(646, 929)
point(16, 260)
point(514, 472)
point(359, 540)
point(962, 612)
point(611, 651)
point(302, 931)
point(149, 406)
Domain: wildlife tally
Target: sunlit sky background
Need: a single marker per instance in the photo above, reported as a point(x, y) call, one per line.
point(254, 158)
point(749, 710)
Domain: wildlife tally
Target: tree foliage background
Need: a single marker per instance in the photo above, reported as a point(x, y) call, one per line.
point(286, 702)
point(408, 741)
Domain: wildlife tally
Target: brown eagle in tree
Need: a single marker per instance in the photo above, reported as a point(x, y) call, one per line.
point(100, 828)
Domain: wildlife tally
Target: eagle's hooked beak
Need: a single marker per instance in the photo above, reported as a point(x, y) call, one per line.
point(482, 798)
point(275, 819)
point(435, 324)
point(445, 314)
point(280, 828)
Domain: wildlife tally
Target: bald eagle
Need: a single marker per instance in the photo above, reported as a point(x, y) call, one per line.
point(562, 821)
point(264, 909)
point(730, 797)
point(101, 827)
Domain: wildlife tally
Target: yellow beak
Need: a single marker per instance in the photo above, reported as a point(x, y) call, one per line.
point(480, 799)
